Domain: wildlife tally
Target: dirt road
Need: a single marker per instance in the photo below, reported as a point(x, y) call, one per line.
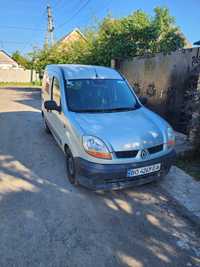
point(44, 221)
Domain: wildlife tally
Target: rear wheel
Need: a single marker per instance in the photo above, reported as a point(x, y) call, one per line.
point(71, 170)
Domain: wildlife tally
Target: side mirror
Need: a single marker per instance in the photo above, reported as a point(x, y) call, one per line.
point(51, 105)
point(143, 100)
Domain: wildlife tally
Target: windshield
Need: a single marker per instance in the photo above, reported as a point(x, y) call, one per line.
point(99, 95)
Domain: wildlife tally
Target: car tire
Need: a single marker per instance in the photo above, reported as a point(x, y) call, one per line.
point(71, 170)
point(46, 127)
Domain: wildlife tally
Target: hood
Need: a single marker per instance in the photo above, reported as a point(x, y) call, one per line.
point(130, 130)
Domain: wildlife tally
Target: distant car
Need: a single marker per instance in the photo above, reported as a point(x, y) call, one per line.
point(110, 139)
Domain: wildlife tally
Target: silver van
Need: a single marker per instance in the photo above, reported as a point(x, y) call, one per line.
point(110, 139)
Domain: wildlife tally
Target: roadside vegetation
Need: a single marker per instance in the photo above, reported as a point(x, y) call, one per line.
point(135, 35)
point(190, 164)
point(16, 84)
point(24, 61)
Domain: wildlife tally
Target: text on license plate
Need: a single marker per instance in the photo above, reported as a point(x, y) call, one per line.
point(143, 170)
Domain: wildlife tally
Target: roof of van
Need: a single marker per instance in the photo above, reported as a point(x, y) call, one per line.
point(73, 71)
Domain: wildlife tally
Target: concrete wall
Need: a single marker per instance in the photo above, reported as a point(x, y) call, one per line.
point(17, 75)
point(162, 79)
point(8, 66)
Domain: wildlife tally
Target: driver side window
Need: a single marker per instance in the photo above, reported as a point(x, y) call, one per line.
point(56, 91)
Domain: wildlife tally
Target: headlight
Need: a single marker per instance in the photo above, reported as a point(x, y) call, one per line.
point(96, 148)
point(170, 137)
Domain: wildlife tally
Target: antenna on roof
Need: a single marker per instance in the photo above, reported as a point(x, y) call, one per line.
point(96, 74)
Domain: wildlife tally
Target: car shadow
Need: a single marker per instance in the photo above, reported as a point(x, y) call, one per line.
point(22, 89)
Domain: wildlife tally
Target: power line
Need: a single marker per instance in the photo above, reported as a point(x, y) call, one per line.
point(106, 6)
point(57, 4)
point(75, 14)
point(13, 42)
point(23, 45)
point(62, 4)
point(21, 28)
point(103, 8)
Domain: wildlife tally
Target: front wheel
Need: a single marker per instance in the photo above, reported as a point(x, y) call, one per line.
point(46, 127)
point(70, 164)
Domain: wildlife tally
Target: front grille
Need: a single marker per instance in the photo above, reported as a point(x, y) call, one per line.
point(126, 154)
point(155, 149)
point(133, 153)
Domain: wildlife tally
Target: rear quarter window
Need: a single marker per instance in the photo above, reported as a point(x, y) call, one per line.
point(46, 84)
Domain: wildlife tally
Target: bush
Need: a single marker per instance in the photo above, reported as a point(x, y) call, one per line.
point(194, 127)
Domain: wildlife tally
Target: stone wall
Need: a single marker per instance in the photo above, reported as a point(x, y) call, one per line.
point(163, 79)
point(17, 75)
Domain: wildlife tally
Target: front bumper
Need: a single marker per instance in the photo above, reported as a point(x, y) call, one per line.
point(114, 176)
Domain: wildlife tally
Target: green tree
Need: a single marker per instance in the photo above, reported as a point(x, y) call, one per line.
point(21, 60)
point(166, 34)
point(135, 35)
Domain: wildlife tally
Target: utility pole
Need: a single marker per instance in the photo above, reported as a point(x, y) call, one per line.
point(49, 38)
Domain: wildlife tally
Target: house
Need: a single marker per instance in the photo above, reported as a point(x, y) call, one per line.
point(71, 37)
point(186, 41)
point(6, 62)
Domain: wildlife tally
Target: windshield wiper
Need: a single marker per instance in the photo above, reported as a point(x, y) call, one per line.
point(122, 109)
point(103, 110)
point(86, 110)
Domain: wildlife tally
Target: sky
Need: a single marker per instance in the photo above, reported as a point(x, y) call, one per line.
point(23, 23)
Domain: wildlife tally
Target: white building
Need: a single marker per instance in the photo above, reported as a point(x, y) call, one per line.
point(6, 62)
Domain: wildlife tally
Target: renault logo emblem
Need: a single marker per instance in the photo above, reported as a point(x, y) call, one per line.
point(144, 153)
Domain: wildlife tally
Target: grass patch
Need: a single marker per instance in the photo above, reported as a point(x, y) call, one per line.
point(16, 84)
point(190, 164)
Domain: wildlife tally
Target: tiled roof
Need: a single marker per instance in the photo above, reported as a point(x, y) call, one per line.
point(72, 34)
point(6, 59)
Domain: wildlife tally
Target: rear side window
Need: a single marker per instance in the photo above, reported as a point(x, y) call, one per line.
point(46, 83)
point(56, 91)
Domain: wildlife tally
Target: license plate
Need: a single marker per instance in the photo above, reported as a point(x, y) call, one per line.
point(144, 170)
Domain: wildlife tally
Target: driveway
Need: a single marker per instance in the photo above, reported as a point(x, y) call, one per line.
point(45, 221)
